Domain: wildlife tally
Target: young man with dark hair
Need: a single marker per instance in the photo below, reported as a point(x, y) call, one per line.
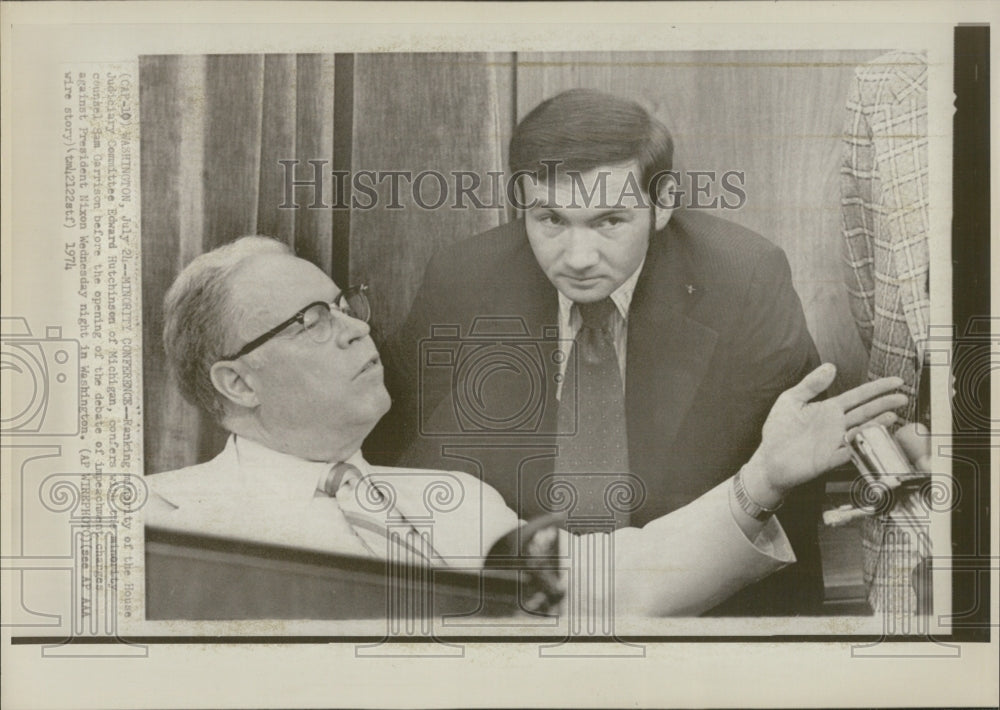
point(660, 337)
point(580, 130)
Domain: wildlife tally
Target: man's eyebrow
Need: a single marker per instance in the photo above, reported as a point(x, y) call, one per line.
point(560, 209)
point(324, 299)
point(610, 213)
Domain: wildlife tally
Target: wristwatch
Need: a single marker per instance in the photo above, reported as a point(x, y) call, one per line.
point(747, 504)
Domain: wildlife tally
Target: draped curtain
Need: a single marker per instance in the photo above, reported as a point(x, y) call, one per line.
point(215, 128)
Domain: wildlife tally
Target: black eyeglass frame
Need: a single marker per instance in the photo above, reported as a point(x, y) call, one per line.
point(344, 296)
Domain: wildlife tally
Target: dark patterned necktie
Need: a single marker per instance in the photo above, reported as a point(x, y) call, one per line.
point(592, 401)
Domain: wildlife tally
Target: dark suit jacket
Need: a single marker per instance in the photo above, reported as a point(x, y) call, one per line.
point(715, 333)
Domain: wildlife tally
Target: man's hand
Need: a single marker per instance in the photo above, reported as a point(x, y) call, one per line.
point(802, 439)
point(916, 442)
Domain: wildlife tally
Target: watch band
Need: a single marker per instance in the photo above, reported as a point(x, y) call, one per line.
point(747, 504)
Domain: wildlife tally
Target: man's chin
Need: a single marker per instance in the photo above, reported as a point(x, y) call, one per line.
point(386, 403)
point(379, 402)
point(584, 293)
point(375, 407)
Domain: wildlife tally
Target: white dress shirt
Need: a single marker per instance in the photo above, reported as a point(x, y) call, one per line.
point(682, 563)
point(252, 492)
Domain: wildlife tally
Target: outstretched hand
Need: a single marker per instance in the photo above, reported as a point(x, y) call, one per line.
point(801, 439)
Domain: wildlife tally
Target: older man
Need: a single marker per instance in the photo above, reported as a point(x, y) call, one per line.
point(282, 357)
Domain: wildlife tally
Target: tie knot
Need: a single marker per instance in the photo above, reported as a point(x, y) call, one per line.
point(597, 315)
point(336, 476)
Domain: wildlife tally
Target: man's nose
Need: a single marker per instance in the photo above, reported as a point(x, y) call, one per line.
point(349, 329)
point(581, 251)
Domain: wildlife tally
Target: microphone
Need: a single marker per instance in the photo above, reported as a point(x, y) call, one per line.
point(532, 550)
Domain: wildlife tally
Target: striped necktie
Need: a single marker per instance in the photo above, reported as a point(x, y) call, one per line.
point(368, 510)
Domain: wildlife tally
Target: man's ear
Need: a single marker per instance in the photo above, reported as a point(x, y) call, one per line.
point(663, 206)
point(230, 379)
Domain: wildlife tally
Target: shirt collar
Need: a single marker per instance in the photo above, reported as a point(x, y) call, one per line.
point(621, 296)
point(274, 474)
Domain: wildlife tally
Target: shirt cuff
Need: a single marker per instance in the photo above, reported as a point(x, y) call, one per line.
point(772, 542)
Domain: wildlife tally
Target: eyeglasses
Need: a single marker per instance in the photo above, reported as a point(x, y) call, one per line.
point(316, 319)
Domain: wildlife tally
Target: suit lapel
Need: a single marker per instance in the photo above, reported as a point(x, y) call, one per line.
point(668, 351)
point(527, 294)
point(532, 294)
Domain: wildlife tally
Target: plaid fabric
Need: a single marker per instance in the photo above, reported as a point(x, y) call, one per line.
point(894, 545)
point(884, 207)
